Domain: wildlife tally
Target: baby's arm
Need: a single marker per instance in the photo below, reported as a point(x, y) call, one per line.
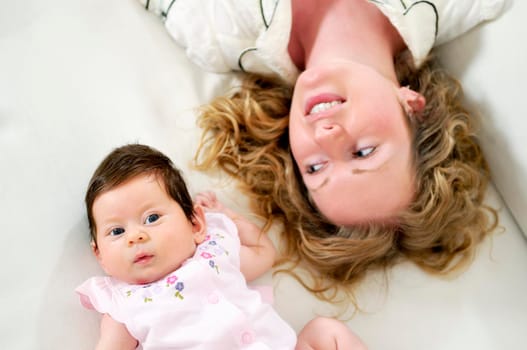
point(114, 336)
point(257, 252)
point(328, 334)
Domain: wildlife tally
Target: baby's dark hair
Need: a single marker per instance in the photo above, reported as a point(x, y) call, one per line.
point(129, 161)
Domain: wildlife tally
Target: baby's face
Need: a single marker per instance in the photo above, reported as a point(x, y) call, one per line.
point(142, 233)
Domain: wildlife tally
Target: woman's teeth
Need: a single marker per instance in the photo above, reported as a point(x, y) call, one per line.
point(324, 106)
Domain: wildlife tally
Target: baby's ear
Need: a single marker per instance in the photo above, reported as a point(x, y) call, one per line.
point(94, 248)
point(199, 226)
point(413, 102)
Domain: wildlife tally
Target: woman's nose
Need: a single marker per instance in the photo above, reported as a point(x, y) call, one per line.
point(138, 236)
point(328, 133)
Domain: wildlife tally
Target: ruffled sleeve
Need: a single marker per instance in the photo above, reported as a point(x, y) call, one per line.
point(96, 294)
point(222, 242)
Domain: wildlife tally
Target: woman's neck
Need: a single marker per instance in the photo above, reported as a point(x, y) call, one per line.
point(343, 29)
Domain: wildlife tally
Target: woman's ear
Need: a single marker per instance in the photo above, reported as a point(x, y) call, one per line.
point(413, 102)
point(199, 226)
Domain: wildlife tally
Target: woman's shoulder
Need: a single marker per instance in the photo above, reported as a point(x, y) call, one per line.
point(246, 35)
point(425, 24)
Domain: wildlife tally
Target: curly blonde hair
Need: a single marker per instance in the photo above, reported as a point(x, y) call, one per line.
point(246, 135)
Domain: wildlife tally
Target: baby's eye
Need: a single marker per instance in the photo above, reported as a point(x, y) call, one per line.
point(117, 231)
point(313, 168)
point(151, 218)
point(364, 152)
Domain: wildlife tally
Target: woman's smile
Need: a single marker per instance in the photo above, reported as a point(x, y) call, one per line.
point(322, 102)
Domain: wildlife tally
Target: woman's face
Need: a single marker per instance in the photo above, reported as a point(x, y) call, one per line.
point(351, 141)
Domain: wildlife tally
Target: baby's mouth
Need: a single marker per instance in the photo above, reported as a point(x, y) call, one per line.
point(143, 258)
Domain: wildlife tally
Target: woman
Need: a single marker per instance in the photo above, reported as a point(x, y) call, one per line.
point(373, 157)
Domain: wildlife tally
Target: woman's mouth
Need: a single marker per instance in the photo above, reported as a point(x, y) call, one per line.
point(324, 106)
point(322, 103)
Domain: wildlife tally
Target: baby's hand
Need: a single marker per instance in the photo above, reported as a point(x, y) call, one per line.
point(209, 201)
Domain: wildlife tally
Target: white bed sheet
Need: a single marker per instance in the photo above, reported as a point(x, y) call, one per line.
point(491, 62)
point(78, 78)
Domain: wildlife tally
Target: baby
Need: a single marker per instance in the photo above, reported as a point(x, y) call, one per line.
point(178, 270)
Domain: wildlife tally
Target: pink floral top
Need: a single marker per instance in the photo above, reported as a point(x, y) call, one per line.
point(205, 304)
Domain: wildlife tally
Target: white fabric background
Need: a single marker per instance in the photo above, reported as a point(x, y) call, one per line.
point(78, 78)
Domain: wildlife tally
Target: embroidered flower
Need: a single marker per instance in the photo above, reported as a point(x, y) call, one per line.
point(171, 280)
point(218, 250)
point(220, 236)
point(214, 266)
point(206, 255)
point(179, 288)
point(147, 293)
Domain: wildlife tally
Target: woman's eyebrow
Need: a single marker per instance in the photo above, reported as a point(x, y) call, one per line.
point(359, 171)
point(354, 171)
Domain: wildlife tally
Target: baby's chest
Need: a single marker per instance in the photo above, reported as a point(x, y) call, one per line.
point(183, 303)
point(200, 287)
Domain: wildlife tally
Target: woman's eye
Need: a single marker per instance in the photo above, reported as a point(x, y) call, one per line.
point(311, 169)
point(117, 231)
point(363, 152)
point(151, 218)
